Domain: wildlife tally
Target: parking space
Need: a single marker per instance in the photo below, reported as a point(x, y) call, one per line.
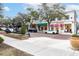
point(56, 36)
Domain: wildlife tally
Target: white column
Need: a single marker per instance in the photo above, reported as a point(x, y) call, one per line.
point(63, 29)
point(37, 27)
point(73, 28)
point(56, 19)
point(60, 29)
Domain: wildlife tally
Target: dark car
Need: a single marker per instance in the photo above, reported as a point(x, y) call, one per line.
point(32, 30)
point(7, 30)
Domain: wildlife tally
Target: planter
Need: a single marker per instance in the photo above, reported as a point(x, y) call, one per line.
point(75, 42)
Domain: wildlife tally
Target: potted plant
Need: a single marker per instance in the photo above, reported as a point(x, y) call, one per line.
point(1, 40)
point(75, 41)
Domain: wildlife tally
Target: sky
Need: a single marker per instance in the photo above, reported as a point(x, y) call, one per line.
point(11, 9)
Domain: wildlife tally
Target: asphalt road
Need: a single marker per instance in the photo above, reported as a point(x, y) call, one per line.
point(56, 36)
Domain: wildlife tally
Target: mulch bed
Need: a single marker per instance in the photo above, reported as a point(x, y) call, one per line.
point(6, 50)
point(14, 35)
point(17, 36)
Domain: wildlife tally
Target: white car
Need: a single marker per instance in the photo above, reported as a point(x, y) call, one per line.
point(3, 28)
point(11, 29)
point(51, 31)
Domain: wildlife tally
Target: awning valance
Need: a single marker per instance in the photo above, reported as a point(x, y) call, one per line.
point(42, 24)
point(57, 25)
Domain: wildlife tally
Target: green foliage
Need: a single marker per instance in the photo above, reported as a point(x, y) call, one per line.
point(33, 13)
point(1, 10)
point(1, 39)
point(23, 29)
point(52, 11)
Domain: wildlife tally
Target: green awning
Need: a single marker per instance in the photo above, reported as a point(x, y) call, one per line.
point(42, 24)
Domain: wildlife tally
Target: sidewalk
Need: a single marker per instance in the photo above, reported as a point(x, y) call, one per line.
point(42, 46)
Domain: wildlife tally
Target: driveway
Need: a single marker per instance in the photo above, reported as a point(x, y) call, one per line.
point(54, 36)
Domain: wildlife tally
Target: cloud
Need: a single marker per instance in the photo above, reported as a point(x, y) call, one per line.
point(6, 8)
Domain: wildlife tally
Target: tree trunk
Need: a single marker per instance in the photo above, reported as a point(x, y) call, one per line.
point(48, 26)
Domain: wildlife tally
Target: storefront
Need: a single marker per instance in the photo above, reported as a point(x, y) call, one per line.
point(57, 27)
point(68, 28)
point(62, 28)
point(42, 26)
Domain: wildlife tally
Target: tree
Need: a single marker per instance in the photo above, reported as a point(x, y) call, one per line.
point(1, 10)
point(22, 18)
point(52, 11)
point(7, 21)
point(33, 14)
point(1, 13)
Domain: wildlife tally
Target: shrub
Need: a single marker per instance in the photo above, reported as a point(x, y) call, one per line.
point(1, 39)
point(23, 29)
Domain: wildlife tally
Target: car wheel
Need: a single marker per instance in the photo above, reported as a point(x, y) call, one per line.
point(53, 32)
point(45, 32)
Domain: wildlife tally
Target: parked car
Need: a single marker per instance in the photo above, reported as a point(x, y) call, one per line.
point(9, 30)
point(51, 31)
point(3, 28)
point(32, 30)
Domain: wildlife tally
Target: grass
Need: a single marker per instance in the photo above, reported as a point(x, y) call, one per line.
point(6, 50)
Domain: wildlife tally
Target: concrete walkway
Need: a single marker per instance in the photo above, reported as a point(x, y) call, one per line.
point(42, 46)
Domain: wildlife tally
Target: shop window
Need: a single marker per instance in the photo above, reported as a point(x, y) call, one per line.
point(45, 28)
point(68, 28)
point(62, 28)
point(59, 18)
point(71, 17)
point(53, 19)
point(41, 28)
point(52, 28)
point(67, 17)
